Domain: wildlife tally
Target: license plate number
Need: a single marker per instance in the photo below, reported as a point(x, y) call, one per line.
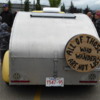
point(54, 82)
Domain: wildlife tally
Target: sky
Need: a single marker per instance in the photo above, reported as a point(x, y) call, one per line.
point(78, 3)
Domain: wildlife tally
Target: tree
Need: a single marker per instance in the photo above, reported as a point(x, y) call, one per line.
point(21, 5)
point(10, 5)
point(72, 8)
point(26, 5)
point(63, 8)
point(80, 10)
point(86, 10)
point(54, 3)
point(34, 5)
point(38, 6)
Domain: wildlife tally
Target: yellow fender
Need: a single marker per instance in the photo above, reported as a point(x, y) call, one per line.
point(5, 67)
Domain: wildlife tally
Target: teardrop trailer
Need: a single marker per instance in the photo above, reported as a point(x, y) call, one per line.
point(52, 49)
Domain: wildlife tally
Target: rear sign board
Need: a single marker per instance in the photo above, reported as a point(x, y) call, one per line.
point(83, 53)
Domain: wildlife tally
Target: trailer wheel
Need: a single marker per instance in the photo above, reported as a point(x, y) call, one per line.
point(5, 67)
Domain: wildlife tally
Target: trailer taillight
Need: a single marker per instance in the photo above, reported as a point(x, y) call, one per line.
point(88, 81)
point(20, 81)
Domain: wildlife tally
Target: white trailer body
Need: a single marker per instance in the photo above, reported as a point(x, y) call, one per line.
point(37, 47)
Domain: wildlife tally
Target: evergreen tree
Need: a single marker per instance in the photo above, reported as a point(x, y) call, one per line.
point(87, 9)
point(63, 8)
point(21, 5)
point(10, 5)
point(80, 10)
point(75, 10)
point(34, 5)
point(26, 5)
point(38, 1)
point(38, 6)
point(72, 8)
point(54, 3)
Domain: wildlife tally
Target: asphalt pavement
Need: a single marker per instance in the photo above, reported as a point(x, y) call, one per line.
point(44, 93)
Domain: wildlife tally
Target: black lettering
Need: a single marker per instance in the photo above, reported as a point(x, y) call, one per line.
point(82, 67)
point(88, 39)
point(95, 43)
point(77, 41)
point(87, 57)
point(92, 41)
point(98, 48)
point(72, 46)
point(70, 49)
point(69, 52)
point(94, 64)
point(78, 56)
point(87, 50)
point(72, 63)
point(82, 49)
point(81, 39)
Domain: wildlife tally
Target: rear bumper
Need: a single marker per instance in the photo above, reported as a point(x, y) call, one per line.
point(71, 78)
point(35, 71)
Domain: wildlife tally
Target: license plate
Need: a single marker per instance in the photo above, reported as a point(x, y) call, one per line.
point(54, 82)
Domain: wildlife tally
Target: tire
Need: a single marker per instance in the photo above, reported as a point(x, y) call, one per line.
point(5, 67)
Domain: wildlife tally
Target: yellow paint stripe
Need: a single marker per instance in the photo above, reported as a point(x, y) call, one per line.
point(37, 95)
